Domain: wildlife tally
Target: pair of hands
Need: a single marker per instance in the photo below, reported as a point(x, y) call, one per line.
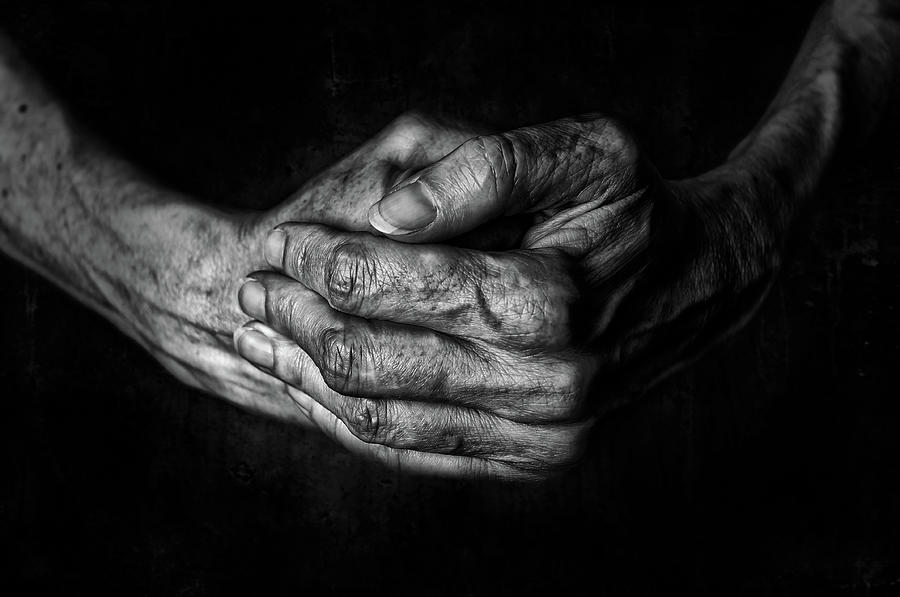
point(517, 275)
point(538, 273)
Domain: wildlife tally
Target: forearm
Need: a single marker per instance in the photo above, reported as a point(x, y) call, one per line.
point(142, 255)
point(834, 95)
point(721, 243)
point(91, 223)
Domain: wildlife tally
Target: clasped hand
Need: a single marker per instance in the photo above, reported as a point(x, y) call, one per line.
point(445, 343)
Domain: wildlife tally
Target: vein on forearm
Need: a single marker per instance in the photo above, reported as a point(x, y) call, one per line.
point(91, 223)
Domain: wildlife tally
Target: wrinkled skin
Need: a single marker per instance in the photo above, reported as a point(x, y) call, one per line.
point(565, 259)
point(194, 339)
point(161, 266)
point(464, 362)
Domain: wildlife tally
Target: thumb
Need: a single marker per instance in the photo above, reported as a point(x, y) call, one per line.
point(580, 160)
point(479, 181)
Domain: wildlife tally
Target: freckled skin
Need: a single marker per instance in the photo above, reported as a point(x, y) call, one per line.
point(162, 267)
point(494, 381)
point(621, 278)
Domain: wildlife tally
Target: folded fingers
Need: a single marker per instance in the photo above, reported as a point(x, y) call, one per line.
point(437, 438)
point(518, 297)
point(378, 359)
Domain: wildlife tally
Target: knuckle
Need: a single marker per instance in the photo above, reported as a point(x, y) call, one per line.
point(554, 326)
point(457, 424)
point(368, 420)
point(566, 394)
point(534, 305)
point(345, 357)
point(350, 276)
point(560, 392)
point(304, 247)
point(407, 132)
point(596, 145)
point(411, 123)
point(280, 308)
point(532, 312)
point(614, 138)
point(491, 155)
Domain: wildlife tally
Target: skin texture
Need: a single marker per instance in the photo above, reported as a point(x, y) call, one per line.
point(161, 266)
point(473, 363)
point(460, 358)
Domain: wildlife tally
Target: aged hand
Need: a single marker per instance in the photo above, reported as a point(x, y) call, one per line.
point(192, 333)
point(158, 264)
point(663, 269)
point(464, 362)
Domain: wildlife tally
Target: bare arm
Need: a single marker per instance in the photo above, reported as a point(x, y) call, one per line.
point(162, 267)
point(99, 228)
point(623, 278)
point(837, 91)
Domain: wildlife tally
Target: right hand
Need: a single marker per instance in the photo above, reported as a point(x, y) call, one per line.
point(479, 363)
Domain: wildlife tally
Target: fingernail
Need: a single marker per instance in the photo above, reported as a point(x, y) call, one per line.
point(252, 298)
point(275, 248)
point(256, 348)
point(406, 210)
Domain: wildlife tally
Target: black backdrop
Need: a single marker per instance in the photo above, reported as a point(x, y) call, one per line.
point(769, 468)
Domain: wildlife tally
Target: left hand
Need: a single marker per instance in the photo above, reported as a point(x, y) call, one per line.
point(475, 363)
point(204, 254)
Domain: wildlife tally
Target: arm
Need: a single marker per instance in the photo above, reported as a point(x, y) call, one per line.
point(114, 239)
point(159, 265)
point(836, 92)
point(622, 278)
point(841, 85)
point(693, 259)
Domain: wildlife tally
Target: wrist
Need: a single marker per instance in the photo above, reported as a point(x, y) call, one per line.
point(200, 267)
point(740, 224)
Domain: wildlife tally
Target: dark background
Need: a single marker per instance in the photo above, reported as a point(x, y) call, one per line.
point(770, 468)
